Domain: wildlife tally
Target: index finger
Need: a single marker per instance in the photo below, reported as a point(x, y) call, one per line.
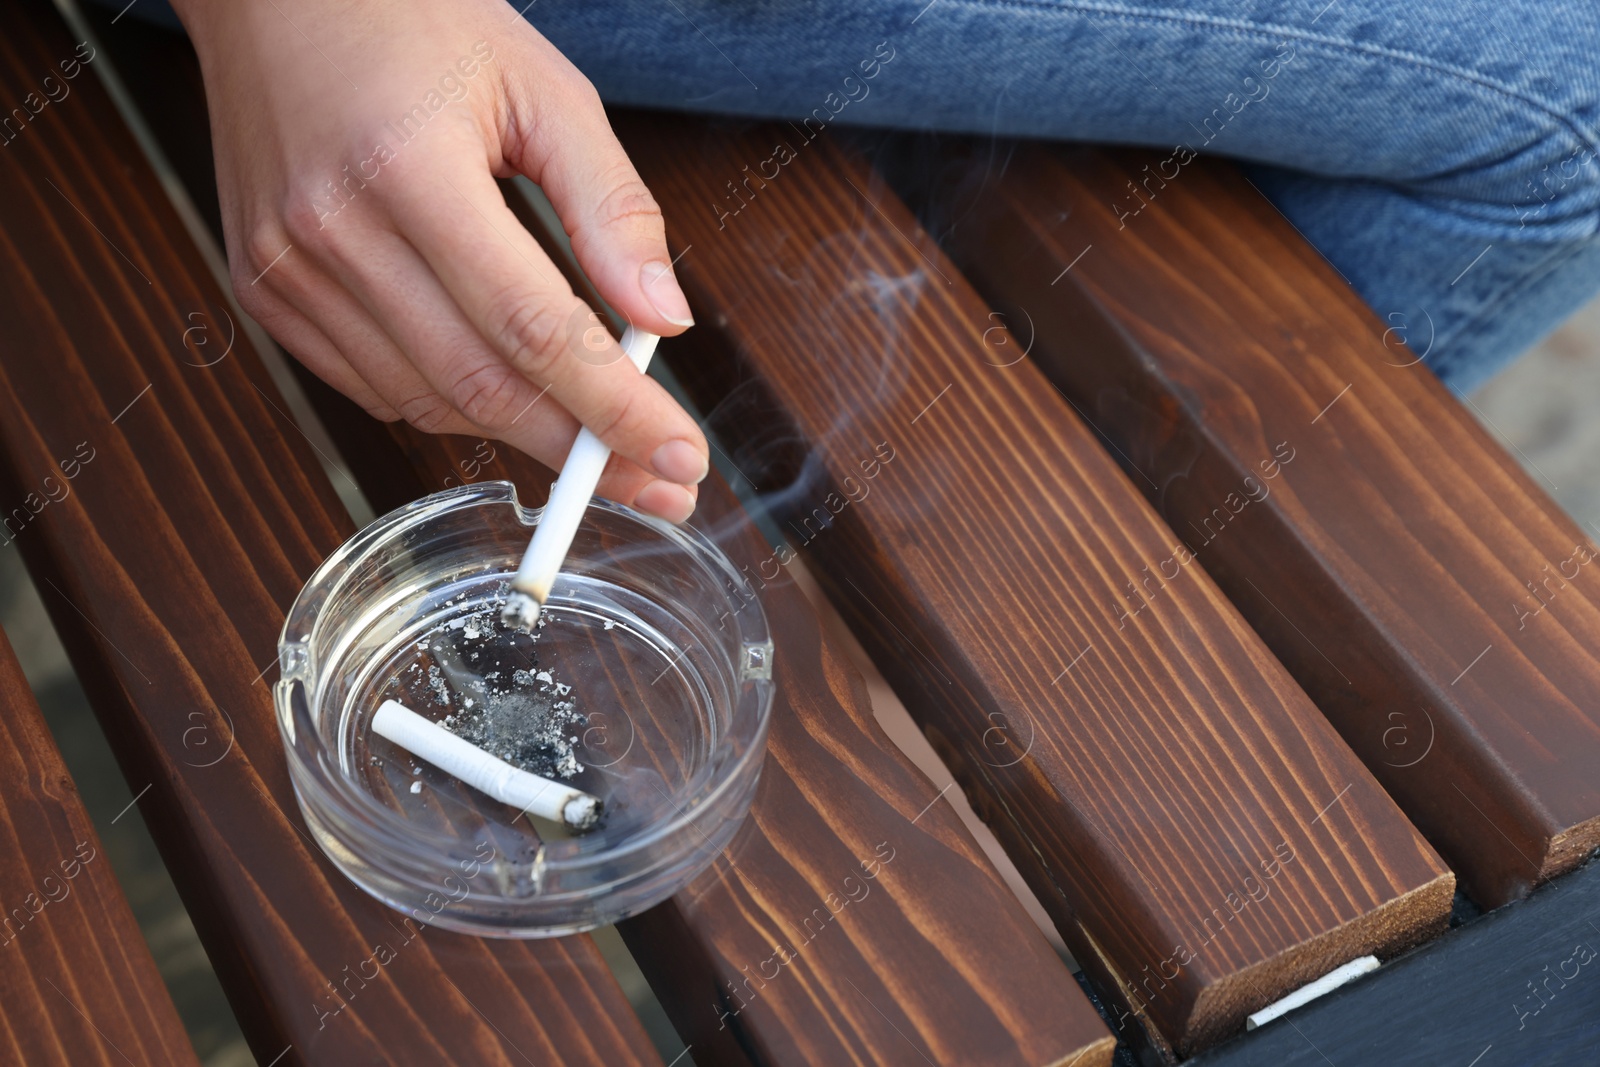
point(515, 297)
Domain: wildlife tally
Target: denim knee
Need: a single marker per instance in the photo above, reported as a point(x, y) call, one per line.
point(1526, 165)
point(1560, 200)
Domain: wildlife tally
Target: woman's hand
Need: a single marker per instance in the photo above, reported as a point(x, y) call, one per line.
point(357, 145)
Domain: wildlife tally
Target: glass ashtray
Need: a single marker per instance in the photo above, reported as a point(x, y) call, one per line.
point(647, 683)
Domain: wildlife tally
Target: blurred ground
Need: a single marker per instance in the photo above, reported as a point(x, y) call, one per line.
point(1547, 406)
point(1545, 409)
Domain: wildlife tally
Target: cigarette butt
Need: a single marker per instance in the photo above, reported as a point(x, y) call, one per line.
point(488, 774)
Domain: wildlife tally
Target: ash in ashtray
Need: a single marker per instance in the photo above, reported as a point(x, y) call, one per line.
point(529, 724)
point(499, 696)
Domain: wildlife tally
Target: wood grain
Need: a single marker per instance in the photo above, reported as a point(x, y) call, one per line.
point(1515, 988)
point(1433, 600)
point(78, 985)
point(168, 569)
point(1147, 774)
point(786, 951)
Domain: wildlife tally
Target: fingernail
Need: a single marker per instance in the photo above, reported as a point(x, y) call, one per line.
point(661, 289)
point(665, 500)
point(679, 461)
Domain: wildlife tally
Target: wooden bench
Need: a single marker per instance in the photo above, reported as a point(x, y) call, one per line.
point(1194, 802)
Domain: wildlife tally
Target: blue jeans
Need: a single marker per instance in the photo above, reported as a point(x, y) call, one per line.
point(1440, 153)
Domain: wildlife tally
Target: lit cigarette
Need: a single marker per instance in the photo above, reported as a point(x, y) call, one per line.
point(428, 740)
point(569, 498)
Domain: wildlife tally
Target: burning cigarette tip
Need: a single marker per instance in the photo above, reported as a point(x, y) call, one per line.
point(521, 612)
point(582, 813)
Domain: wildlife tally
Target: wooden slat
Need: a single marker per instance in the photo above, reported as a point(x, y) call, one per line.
point(1515, 988)
point(168, 570)
point(1431, 598)
point(1148, 775)
point(78, 986)
point(931, 959)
